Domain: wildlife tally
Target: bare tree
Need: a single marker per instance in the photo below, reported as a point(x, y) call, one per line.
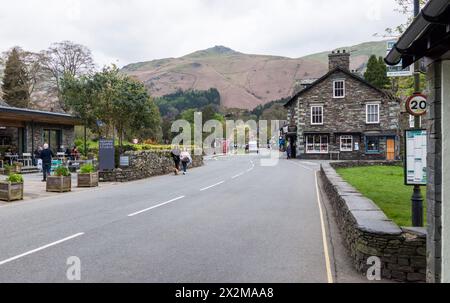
point(66, 58)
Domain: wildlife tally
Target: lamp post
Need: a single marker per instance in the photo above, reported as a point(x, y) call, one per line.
point(417, 199)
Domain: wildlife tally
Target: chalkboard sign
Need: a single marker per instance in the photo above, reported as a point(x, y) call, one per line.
point(106, 154)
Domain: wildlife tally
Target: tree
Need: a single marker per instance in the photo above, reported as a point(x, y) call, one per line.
point(67, 59)
point(376, 73)
point(108, 101)
point(16, 82)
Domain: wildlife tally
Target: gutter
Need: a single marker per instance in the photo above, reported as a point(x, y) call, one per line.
point(429, 15)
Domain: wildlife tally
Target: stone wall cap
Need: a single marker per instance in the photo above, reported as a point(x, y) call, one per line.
point(375, 222)
point(357, 202)
point(418, 231)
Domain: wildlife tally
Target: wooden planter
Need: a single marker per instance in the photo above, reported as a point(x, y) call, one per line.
point(11, 191)
point(16, 169)
point(58, 184)
point(88, 180)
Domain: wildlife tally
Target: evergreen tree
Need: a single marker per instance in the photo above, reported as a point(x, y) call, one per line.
point(16, 84)
point(376, 73)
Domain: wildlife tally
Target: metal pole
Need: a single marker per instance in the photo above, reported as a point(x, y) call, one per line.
point(85, 140)
point(417, 199)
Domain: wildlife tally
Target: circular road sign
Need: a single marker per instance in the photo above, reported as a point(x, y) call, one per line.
point(417, 105)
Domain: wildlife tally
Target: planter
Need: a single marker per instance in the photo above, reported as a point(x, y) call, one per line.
point(11, 191)
point(15, 169)
point(59, 184)
point(88, 180)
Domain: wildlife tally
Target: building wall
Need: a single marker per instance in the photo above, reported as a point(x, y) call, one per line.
point(434, 163)
point(346, 115)
point(446, 170)
point(68, 135)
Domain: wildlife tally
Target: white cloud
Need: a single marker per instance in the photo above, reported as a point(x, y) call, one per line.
point(122, 31)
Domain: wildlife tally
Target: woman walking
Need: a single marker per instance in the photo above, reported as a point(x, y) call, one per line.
point(176, 159)
point(185, 160)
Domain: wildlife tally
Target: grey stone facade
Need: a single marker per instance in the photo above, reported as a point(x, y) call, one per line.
point(434, 186)
point(367, 232)
point(345, 116)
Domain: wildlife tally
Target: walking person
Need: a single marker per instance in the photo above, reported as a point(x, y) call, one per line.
point(176, 153)
point(46, 156)
point(185, 160)
point(289, 151)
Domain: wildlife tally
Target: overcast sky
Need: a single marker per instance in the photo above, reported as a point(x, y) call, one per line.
point(127, 31)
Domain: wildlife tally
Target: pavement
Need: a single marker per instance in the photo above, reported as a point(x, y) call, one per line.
point(230, 221)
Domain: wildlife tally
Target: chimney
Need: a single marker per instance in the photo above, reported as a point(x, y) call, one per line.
point(339, 59)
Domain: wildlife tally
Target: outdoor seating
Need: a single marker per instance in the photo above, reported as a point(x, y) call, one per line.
point(26, 160)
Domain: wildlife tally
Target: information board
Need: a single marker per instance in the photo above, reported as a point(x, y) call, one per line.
point(416, 157)
point(397, 70)
point(106, 154)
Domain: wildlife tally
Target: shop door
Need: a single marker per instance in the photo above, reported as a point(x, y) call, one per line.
point(390, 150)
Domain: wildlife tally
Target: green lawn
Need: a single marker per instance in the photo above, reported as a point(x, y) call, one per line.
point(385, 186)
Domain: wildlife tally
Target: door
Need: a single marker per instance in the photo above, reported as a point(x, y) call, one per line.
point(390, 150)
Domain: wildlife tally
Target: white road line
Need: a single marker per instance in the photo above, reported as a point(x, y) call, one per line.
point(237, 176)
point(324, 235)
point(214, 185)
point(303, 166)
point(39, 249)
point(156, 206)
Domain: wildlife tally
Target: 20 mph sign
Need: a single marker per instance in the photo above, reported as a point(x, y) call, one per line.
point(417, 105)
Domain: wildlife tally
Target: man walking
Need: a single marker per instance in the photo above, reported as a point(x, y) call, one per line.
point(176, 159)
point(185, 160)
point(46, 156)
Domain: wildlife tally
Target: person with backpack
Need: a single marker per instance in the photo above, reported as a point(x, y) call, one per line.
point(46, 156)
point(186, 159)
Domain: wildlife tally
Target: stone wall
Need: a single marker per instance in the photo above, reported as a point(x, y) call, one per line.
point(145, 164)
point(367, 232)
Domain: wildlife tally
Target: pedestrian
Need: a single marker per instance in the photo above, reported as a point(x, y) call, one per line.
point(46, 156)
point(289, 151)
point(185, 160)
point(37, 155)
point(176, 153)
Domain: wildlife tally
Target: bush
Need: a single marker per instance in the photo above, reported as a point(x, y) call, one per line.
point(87, 169)
point(15, 178)
point(62, 171)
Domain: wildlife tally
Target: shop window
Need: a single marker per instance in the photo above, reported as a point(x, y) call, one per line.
point(346, 143)
point(372, 145)
point(317, 144)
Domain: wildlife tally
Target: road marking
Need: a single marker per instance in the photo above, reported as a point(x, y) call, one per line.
point(237, 176)
point(156, 206)
point(40, 248)
point(324, 236)
point(303, 166)
point(209, 187)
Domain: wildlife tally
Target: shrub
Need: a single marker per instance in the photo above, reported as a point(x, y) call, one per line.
point(62, 171)
point(15, 178)
point(87, 169)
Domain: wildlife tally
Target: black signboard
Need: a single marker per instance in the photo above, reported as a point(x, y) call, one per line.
point(106, 155)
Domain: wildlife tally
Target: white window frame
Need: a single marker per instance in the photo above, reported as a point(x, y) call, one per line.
point(378, 113)
point(312, 114)
point(319, 145)
point(346, 137)
point(335, 90)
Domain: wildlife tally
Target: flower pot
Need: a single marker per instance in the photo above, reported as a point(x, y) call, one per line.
point(88, 180)
point(15, 169)
point(11, 191)
point(59, 184)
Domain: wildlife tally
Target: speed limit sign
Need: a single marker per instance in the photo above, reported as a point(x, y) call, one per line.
point(417, 105)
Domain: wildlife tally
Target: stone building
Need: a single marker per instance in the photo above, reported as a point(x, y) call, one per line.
point(428, 37)
point(23, 130)
point(343, 116)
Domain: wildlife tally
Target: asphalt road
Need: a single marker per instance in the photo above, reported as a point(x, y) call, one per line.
point(232, 220)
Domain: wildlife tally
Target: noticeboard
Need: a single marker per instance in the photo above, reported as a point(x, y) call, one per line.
point(416, 157)
point(106, 154)
point(124, 161)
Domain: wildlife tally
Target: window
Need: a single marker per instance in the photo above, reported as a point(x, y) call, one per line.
point(339, 89)
point(317, 144)
point(372, 144)
point(317, 115)
point(373, 113)
point(346, 143)
point(412, 122)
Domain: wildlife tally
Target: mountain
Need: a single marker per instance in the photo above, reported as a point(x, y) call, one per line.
point(243, 80)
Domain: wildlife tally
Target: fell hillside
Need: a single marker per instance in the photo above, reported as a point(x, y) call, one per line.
point(243, 80)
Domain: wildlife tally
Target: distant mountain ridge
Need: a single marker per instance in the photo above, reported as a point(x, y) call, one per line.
point(243, 80)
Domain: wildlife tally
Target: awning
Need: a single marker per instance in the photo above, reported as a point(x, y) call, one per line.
point(10, 116)
point(427, 36)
